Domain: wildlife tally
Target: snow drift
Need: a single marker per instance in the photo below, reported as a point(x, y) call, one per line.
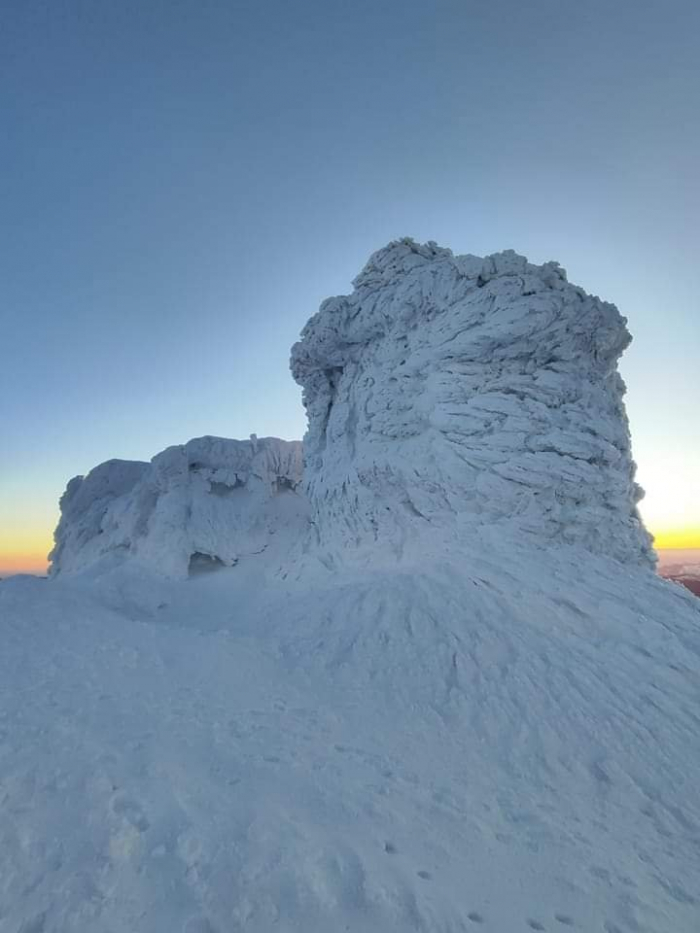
point(445, 691)
point(205, 503)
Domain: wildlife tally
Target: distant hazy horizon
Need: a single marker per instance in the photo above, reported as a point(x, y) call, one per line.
point(667, 556)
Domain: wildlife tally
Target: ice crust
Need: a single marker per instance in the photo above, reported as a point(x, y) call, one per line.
point(461, 391)
point(210, 501)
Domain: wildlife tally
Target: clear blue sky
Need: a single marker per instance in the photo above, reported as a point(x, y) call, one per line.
point(183, 182)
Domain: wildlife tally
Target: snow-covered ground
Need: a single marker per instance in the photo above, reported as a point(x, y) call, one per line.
point(449, 694)
point(498, 743)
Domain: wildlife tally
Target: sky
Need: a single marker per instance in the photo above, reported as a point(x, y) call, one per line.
point(183, 182)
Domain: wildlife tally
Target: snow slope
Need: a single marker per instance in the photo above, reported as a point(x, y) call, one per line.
point(449, 700)
point(505, 744)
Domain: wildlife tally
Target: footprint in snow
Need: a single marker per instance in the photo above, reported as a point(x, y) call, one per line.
point(425, 875)
point(535, 925)
point(475, 917)
point(132, 813)
point(564, 919)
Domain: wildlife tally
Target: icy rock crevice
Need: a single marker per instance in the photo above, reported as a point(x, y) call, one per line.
point(467, 392)
point(210, 498)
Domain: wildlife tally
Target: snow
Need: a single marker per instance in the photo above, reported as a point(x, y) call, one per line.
point(466, 391)
point(449, 694)
point(382, 751)
point(210, 500)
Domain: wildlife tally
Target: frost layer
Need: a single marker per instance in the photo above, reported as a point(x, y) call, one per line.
point(198, 505)
point(466, 391)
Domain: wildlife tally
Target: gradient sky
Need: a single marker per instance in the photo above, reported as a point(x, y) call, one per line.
point(182, 182)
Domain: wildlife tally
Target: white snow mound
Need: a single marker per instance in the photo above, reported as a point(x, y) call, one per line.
point(206, 503)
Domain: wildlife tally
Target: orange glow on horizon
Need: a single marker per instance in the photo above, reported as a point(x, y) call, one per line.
point(11, 564)
point(30, 555)
point(677, 538)
point(24, 557)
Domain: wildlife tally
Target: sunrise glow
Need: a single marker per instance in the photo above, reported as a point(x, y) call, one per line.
point(677, 538)
point(27, 554)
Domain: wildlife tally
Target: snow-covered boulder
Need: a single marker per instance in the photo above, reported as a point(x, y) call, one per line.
point(446, 392)
point(468, 393)
point(202, 504)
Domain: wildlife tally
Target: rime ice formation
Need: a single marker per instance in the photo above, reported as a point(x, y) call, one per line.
point(208, 502)
point(446, 392)
point(428, 700)
point(457, 390)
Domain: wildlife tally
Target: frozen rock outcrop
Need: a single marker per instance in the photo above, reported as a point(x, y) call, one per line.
point(467, 392)
point(432, 702)
point(446, 394)
point(201, 504)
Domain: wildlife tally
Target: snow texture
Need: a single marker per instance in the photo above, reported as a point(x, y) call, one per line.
point(494, 740)
point(455, 697)
point(205, 503)
point(453, 389)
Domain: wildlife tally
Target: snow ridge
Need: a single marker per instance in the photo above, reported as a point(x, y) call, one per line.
point(466, 392)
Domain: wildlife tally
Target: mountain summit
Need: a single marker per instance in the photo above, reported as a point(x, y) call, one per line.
point(434, 685)
point(456, 390)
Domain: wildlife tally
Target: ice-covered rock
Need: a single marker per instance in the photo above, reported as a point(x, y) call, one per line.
point(446, 392)
point(455, 723)
point(202, 504)
point(464, 392)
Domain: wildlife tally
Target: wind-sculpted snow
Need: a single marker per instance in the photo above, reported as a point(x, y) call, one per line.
point(492, 740)
point(447, 693)
point(457, 390)
point(449, 391)
point(205, 503)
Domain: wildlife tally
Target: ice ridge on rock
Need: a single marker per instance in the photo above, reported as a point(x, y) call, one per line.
point(205, 503)
point(469, 392)
point(446, 393)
